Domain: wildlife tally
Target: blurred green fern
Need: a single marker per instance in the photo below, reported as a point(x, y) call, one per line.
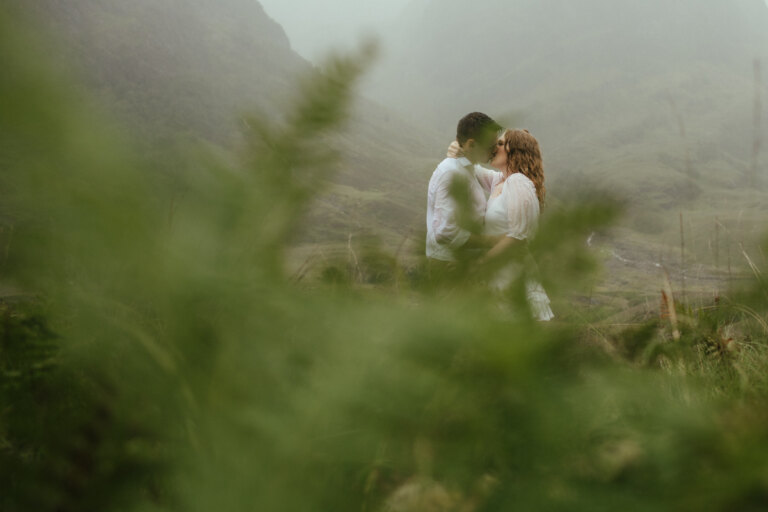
point(166, 362)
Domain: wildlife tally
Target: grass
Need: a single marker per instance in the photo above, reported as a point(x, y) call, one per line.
point(177, 364)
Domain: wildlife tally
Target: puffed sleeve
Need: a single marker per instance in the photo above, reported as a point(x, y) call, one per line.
point(522, 207)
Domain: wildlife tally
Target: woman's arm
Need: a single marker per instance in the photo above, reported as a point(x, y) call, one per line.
point(483, 241)
point(519, 196)
point(454, 150)
point(501, 247)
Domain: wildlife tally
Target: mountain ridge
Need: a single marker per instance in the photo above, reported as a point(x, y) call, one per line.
point(617, 92)
point(191, 68)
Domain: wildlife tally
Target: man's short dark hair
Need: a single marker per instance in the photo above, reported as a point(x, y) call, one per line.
point(475, 126)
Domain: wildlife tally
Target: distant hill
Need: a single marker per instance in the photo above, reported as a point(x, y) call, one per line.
point(193, 67)
point(653, 99)
point(177, 65)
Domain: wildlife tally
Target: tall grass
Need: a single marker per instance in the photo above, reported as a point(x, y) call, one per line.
point(169, 362)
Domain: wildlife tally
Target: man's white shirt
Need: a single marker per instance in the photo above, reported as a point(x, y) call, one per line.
point(444, 234)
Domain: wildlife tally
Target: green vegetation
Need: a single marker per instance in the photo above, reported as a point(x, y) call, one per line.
point(186, 73)
point(165, 360)
point(667, 126)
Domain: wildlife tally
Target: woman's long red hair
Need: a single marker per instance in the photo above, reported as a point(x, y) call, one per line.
point(524, 156)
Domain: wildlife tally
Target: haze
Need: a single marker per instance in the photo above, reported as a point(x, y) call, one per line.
point(315, 28)
point(657, 102)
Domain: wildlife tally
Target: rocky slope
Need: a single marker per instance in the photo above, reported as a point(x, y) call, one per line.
point(191, 68)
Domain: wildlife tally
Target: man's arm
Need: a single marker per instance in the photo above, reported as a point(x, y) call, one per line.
point(445, 223)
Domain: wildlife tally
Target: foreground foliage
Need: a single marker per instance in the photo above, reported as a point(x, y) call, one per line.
point(167, 362)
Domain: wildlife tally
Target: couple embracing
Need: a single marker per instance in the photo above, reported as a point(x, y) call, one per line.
point(499, 175)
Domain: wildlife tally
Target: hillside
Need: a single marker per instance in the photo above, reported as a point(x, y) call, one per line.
point(605, 85)
point(191, 69)
point(178, 66)
point(170, 366)
point(652, 101)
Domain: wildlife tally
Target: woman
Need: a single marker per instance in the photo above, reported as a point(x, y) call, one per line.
point(516, 195)
point(514, 207)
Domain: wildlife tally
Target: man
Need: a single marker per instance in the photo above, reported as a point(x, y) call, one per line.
point(454, 226)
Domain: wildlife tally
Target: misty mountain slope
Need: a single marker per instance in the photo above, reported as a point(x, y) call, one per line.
point(524, 44)
point(193, 67)
point(617, 91)
point(175, 65)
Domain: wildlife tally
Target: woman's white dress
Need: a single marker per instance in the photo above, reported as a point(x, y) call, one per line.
point(515, 213)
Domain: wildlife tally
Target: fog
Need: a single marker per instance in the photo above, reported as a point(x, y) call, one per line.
point(659, 100)
point(656, 100)
point(315, 28)
point(215, 291)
